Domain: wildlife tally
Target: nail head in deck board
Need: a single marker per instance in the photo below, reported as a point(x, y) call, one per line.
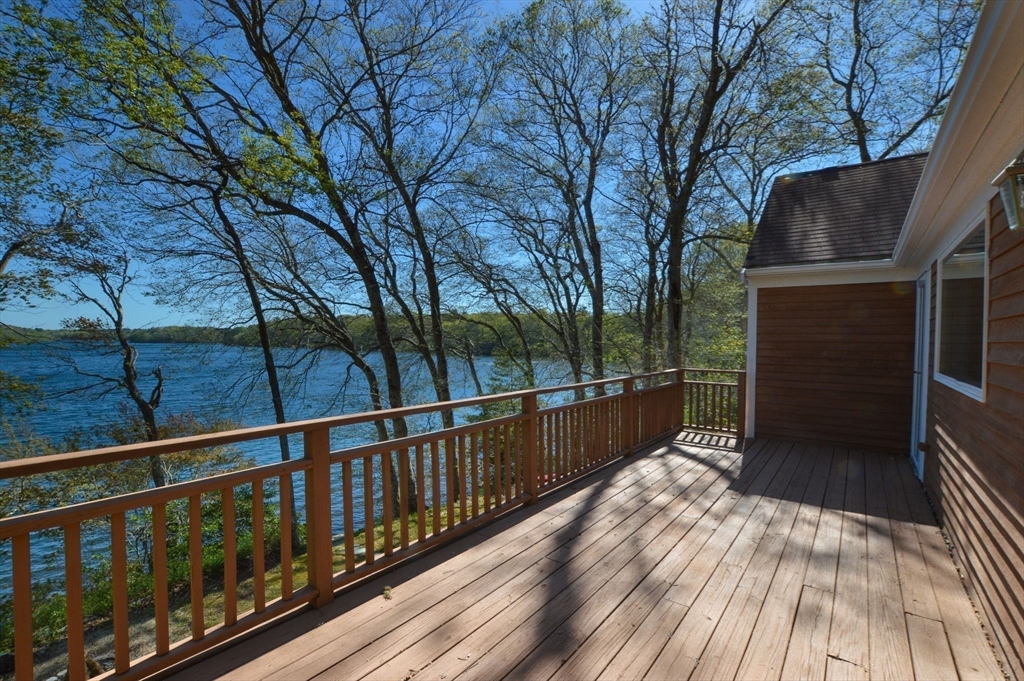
point(515, 539)
point(441, 605)
point(971, 651)
point(766, 650)
point(807, 653)
point(540, 612)
point(929, 649)
point(889, 649)
point(848, 639)
point(842, 670)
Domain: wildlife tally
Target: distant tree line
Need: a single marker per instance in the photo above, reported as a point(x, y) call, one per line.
point(482, 334)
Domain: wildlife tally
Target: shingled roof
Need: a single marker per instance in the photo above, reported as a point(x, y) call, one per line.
point(846, 213)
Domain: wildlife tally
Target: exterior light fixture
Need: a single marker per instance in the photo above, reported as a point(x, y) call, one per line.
point(1011, 191)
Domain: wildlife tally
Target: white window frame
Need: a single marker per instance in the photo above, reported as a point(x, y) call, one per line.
point(971, 391)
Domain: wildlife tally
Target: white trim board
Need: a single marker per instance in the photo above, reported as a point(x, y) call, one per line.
point(827, 274)
point(972, 391)
point(982, 131)
point(751, 359)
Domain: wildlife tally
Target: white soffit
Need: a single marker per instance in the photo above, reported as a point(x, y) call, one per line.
point(824, 274)
point(981, 133)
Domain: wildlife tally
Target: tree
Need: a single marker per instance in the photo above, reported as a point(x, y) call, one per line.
point(889, 68)
point(95, 259)
point(399, 70)
point(568, 79)
point(695, 53)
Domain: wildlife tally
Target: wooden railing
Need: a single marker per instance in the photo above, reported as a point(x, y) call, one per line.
point(447, 481)
point(715, 406)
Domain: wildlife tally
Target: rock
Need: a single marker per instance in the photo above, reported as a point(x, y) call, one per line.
point(92, 667)
point(6, 663)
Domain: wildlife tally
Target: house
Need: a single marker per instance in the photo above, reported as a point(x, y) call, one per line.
point(625, 535)
point(886, 312)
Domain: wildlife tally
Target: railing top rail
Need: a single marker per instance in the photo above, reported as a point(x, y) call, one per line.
point(714, 371)
point(88, 510)
point(93, 457)
point(717, 383)
point(369, 449)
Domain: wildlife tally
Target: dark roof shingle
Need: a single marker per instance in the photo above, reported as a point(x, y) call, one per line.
point(846, 213)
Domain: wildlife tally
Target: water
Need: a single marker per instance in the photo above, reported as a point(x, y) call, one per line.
point(218, 381)
point(221, 382)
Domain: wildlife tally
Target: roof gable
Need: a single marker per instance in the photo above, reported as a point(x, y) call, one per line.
point(840, 214)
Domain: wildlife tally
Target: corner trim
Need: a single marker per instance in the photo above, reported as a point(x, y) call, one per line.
point(751, 357)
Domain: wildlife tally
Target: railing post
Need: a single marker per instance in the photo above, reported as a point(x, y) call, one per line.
point(681, 401)
point(628, 416)
point(317, 448)
point(21, 564)
point(741, 409)
point(530, 453)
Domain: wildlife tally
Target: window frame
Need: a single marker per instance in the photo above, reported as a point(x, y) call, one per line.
point(982, 219)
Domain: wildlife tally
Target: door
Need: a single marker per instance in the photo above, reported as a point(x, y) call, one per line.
point(919, 418)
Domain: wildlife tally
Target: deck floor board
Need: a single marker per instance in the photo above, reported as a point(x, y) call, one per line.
point(684, 561)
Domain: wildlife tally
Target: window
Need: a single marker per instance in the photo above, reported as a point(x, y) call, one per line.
point(962, 313)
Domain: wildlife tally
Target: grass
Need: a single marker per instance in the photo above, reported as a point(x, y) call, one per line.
point(213, 600)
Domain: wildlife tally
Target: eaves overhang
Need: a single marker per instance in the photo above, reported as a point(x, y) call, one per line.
point(819, 274)
point(981, 132)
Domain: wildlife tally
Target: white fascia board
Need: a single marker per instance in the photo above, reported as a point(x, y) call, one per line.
point(750, 426)
point(982, 131)
point(826, 274)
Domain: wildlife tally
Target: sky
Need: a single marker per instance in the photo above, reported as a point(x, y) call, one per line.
point(141, 311)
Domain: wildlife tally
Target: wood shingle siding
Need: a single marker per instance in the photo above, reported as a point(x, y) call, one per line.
point(974, 471)
point(835, 364)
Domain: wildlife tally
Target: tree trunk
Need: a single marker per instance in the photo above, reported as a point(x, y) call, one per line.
point(244, 268)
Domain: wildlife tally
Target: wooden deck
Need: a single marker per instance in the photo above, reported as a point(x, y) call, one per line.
point(689, 561)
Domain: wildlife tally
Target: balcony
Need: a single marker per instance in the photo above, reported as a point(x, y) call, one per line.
point(622, 536)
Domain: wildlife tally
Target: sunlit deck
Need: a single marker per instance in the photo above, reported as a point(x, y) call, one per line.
point(687, 561)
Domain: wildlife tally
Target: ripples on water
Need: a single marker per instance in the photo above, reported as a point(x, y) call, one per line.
point(222, 382)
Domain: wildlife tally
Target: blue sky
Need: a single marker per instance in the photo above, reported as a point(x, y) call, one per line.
point(141, 311)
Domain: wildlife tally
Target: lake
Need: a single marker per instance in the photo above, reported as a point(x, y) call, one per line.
point(220, 381)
